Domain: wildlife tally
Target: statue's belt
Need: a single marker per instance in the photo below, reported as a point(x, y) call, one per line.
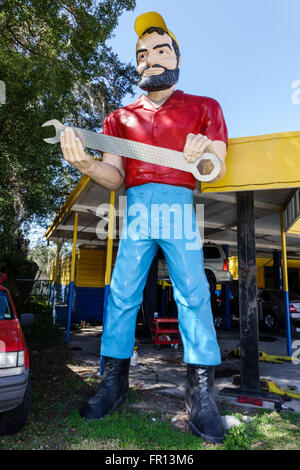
point(137, 150)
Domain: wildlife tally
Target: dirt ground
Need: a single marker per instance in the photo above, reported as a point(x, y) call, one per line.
point(161, 373)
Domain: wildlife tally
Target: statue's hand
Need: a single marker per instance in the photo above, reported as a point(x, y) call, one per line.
point(73, 151)
point(195, 146)
point(198, 144)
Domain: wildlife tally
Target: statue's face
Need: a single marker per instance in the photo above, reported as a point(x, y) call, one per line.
point(157, 63)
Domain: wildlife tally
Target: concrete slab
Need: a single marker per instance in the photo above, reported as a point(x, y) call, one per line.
point(161, 368)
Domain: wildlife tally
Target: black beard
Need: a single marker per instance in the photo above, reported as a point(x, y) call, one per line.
point(159, 82)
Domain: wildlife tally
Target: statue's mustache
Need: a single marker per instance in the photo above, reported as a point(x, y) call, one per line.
point(152, 67)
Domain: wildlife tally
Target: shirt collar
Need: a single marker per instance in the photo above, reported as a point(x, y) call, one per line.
point(143, 102)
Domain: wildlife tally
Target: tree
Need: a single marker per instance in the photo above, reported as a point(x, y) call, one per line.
point(55, 63)
point(43, 254)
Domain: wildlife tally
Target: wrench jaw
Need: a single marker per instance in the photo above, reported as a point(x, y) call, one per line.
point(51, 140)
point(212, 175)
point(59, 127)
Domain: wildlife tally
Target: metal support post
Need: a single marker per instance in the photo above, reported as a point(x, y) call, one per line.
point(108, 268)
point(71, 286)
point(249, 352)
point(285, 288)
point(226, 295)
point(277, 270)
point(53, 286)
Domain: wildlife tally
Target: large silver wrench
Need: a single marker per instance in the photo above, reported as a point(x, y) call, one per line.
point(137, 150)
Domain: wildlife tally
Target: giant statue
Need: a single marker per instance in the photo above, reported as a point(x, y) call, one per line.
point(164, 117)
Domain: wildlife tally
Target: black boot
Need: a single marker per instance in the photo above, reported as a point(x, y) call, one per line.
point(112, 389)
point(205, 420)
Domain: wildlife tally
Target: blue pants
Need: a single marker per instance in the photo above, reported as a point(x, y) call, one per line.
point(141, 236)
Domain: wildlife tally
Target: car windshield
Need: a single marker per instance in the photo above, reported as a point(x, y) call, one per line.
point(293, 296)
point(6, 312)
point(279, 295)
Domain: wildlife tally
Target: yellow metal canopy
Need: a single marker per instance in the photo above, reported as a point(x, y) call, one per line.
point(67, 207)
point(270, 161)
point(295, 229)
point(292, 214)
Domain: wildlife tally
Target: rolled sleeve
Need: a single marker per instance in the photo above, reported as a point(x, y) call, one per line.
point(216, 128)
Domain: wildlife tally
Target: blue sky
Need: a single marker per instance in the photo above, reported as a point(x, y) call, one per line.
point(245, 54)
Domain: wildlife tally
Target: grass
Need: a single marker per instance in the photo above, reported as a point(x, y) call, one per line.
point(58, 392)
point(133, 430)
point(126, 429)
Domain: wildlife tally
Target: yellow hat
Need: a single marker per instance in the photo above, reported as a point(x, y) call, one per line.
point(149, 20)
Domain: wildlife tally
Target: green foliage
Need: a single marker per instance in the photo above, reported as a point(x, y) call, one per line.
point(141, 430)
point(237, 438)
point(42, 333)
point(42, 254)
point(38, 307)
point(55, 63)
point(12, 262)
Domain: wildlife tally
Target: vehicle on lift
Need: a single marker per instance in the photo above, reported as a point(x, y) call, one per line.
point(271, 309)
point(15, 384)
point(215, 264)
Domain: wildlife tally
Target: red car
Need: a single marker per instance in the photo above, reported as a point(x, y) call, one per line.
point(15, 386)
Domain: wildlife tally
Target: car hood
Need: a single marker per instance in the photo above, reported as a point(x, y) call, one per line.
point(9, 335)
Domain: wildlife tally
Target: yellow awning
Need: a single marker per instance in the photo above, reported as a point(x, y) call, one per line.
point(270, 161)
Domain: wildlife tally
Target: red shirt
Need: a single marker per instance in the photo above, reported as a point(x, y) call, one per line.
point(168, 127)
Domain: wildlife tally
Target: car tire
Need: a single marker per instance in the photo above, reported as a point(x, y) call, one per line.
point(219, 322)
point(145, 320)
point(211, 281)
point(13, 421)
point(269, 321)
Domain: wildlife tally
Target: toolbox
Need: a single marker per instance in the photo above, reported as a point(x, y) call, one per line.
point(165, 331)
